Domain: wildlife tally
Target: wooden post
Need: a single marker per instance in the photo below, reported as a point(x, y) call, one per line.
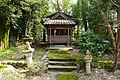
point(48, 32)
point(54, 36)
point(68, 38)
point(44, 36)
point(50, 37)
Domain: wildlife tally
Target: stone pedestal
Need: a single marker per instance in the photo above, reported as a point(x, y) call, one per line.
point(88, 69)
point(29, 58)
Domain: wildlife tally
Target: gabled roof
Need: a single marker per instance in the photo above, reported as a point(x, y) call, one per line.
point(58, 14)
point(60, 22)
point(59, 18)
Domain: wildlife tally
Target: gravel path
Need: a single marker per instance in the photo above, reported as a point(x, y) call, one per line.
point(97, 74)
point(100, 74)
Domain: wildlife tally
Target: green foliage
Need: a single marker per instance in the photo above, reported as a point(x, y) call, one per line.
point(67, 77)
point(7, 52)
point(95, 43)
point(23, 17)
point(87, 11)
point(64, 5)
point(39, 10)
point(9, 14)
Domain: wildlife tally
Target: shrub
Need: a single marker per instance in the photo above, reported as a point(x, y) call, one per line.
point(97, 44)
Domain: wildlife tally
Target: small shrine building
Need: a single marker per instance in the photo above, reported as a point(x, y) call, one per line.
point(59, 26)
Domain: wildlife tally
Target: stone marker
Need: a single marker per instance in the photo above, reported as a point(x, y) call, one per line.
point(88, 59)
point(28, 53)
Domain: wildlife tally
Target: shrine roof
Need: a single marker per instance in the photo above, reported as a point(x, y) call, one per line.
point(59, 22)
point(59, 18)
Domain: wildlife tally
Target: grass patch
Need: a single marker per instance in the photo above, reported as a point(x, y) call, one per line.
point(103, 60)
point(3, 66)
point(67, 77)
point(7, 52)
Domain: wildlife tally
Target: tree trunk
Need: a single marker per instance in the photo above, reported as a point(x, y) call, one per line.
point(4, 35)
point(117, 49)
point(108, 28)
point(84, 14)
point(117, 41)
point(85, 23)
point(26, 17)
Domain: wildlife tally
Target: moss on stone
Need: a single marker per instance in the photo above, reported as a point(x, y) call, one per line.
point(57, 55)
point(67, 77)
point(3, 66)
point(59, 51)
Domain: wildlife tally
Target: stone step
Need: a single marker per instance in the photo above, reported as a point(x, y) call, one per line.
point(58, 47)
point(10, 62)
point(61, 67)
point(61, 59)
point(16, 64)
point(62, 63)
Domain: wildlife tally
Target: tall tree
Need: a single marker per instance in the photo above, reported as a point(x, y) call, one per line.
point(84, 13)
point(40, 9)
point(63, 5)
point(96, 12)
point(115, 43)
point(117, 4)
point(7, 18)
point(81, 11)
point(23, 15)
point(76, 9)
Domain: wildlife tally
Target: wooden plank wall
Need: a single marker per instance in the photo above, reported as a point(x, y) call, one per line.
point(59, 39)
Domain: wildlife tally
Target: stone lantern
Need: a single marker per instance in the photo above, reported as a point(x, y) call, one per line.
point(88, 59)
point(28, 53)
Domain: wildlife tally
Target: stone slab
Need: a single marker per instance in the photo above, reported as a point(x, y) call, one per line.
point(60, 47)
point(62, 67)
point(55, 62)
